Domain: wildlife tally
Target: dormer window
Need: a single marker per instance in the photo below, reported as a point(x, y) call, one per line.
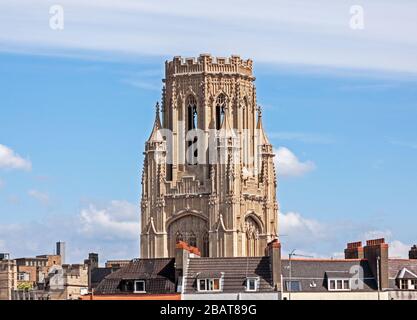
point(338, 284)
point(252, 284)
point(209, 284)
point(407, 280)
point(139, 286)
point(408, 284)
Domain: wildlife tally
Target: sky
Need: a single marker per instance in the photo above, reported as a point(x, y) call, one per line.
point(77, 104)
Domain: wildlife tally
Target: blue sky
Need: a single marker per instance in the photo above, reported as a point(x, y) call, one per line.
point(76, 108)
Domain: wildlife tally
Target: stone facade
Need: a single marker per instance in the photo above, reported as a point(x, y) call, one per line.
point(68, 282)
point(222, 199)
point(8, 278)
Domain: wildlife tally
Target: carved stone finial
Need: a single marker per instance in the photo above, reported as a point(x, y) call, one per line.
point(157, 108)
point(259, 109)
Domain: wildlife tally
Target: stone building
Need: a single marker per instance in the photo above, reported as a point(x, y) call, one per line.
point(208, 176)
point(8, 276)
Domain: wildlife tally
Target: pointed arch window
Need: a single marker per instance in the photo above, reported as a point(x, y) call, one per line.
point(178, 237)
point(192, 123)
point(245, 127)
point(252, 236)
point(220, 109)
point(192, 240)
point(192, 112)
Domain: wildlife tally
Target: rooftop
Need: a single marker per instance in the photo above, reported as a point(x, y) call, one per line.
point(206, 63)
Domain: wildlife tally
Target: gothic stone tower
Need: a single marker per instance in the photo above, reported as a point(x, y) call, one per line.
point(208, 176)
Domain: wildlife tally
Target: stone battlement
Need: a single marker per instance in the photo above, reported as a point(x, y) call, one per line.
point(205, 63)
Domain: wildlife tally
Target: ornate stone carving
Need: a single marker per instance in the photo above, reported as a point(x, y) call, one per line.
point(207, 204)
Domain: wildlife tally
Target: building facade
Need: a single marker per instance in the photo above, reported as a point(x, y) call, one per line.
point(208, 176)
point(8, 276)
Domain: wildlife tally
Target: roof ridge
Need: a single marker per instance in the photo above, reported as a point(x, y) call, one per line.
point(324, 259)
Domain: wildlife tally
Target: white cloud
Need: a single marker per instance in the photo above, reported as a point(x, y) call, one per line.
point(288, 164)
point(120, 219)
point(406, 144)
point(292, 223)
point(42, 197)
point(397, 249)
point(112, 232)
point(286, 32)
point(377, 234)
point(328, 239)
point(10, 160)
point(306, 235)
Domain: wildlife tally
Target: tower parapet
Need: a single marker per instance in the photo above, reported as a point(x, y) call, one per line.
point(205, 63)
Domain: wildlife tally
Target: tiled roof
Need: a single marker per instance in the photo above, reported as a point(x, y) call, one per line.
point(235, 271)
point(159, 276)
point(98, 274)
point(313, 274)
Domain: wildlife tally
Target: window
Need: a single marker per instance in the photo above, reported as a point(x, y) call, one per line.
point(209, 285)
point(338, 284)
point(406, 284)
point(179, 237)
point(23, 276)
point(192, 112)
point(220, 105)
point(192, 240)
point(251, 284)
point(293, 285)
point(139, 286)
point(403, 284)
point(192, 124)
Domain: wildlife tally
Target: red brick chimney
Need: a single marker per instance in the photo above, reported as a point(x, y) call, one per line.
point(354, 250)
point(376, 251)
point(274, 253)
point(182, 253)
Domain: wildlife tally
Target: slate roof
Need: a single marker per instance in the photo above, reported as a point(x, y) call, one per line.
point(396, 265)
point(98, 274)
point(313, 273)
point(235, 270)
point(159, 276)
point(338, 274)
